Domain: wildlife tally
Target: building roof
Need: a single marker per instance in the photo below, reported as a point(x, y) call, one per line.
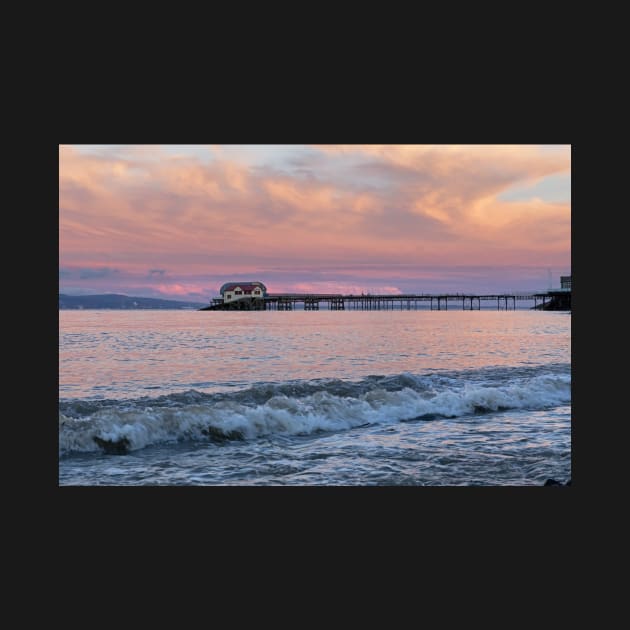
point(246, 286)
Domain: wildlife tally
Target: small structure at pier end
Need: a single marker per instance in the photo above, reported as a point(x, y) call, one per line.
point(232, 291)
point(239, 296)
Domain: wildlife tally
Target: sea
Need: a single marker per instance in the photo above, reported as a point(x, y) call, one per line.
point(314, 398)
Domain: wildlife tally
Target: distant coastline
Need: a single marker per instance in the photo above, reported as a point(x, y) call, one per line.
point(121, 302)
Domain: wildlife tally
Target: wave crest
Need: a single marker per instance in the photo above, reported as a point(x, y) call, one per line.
point(296, 409)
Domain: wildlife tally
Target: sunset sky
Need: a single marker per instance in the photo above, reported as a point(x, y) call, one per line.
point(177, 221)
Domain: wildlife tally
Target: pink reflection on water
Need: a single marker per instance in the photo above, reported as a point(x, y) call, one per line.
point(119, 354)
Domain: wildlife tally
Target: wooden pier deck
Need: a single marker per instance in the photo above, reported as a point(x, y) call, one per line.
point(550, 300)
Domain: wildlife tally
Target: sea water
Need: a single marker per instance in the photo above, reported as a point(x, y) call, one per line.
point(440, 398)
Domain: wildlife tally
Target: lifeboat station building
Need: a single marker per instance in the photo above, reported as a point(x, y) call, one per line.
point(232, 291)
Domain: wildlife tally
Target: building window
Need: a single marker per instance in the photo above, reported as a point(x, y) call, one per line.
point(238, 292)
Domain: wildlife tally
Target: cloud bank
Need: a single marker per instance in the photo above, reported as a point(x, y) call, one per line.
point(367, 217)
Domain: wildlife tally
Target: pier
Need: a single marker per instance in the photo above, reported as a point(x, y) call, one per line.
point(549, 300)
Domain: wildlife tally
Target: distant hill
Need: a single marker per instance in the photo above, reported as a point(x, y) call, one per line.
point(112, 300)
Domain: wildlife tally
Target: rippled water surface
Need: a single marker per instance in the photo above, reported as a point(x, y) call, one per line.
point(325, 398)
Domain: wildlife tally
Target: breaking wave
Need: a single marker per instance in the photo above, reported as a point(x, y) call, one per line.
point(303, 407)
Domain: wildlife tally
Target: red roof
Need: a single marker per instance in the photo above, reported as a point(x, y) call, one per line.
point(244, 287)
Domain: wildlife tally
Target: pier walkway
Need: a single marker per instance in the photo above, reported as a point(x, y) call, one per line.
point(556, 300)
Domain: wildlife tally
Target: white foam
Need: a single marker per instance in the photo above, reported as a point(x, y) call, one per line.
point(320, 411)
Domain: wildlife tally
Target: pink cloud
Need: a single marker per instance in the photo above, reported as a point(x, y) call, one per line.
point(179, 289)
point(339, 287)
